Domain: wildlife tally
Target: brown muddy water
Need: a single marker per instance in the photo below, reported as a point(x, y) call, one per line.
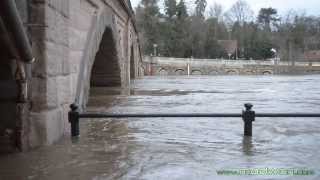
point(184, 148)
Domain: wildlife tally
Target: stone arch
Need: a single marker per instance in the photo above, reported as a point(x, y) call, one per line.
point(105, 71)
point(267, 72)
point(179, 72)
point(101, 36)
point(162, 72)
point(196, 72)
point(232, 72)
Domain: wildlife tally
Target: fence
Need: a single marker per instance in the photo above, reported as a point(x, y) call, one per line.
point(247, 115)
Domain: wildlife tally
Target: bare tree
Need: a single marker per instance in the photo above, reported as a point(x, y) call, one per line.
point(240, 12)
point(215, 11)
point(200, 7)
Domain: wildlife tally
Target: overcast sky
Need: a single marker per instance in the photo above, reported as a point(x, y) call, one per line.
point(311, 7)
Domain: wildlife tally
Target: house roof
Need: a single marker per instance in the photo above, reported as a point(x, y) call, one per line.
point(312, 55)
point(229, 45)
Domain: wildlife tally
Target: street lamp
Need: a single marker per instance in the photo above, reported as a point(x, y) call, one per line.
point(155, 49)
point(275, 55)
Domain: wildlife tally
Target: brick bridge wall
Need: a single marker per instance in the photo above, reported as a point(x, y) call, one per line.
point(181, 66)
point(77, 44)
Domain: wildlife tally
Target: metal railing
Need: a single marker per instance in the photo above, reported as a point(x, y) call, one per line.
point(247, 115)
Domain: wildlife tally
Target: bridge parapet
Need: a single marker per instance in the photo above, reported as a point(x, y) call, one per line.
point(153, 66)
point(166, 60)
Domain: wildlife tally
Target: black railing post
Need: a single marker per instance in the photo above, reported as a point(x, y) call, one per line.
point(73, 116)
point(248, 116)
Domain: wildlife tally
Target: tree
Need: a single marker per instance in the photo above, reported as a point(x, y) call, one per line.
point(240, 12)
point(196, 36)
point(212, 48)
point(170, 8)
point(148, 22)
point(216, 11)
point(182, 12)
point(200, 8)
point(179, 35)
point(182, 25)
point(237, 18)
point(268, 16)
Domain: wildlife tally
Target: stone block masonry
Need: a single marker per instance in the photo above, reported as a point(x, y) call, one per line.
point(51, 73)
point(76, 43)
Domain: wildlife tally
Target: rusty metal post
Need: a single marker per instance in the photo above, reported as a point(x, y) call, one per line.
point(73, 116)
point(248, 116)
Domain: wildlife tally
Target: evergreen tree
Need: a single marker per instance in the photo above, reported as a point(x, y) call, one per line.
point(148, 22)
point(168, 33)
point(267, 16)
point(182, 12)
point(182, 25)
point(212, 48)
point(170, 8)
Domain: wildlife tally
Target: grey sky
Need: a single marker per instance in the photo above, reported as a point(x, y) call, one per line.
point(311, 7)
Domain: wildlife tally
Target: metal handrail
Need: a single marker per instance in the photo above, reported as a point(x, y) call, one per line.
point(247, 115)
point(111, 115)
point(288, 115)
point(191, 115)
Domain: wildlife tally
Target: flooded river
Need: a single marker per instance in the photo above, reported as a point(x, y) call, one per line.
point(185, 148)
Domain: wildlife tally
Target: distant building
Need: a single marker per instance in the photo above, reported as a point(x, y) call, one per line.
point(230, 46)
point(312, 55)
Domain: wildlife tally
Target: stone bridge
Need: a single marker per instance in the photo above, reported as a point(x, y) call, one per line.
point(76, 44)
point(186, 66)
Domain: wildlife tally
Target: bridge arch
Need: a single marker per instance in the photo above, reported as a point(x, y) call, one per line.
point(232, 72)
point(196, 72)
point(179, 72)
point(163, 72)
point(100, 61)
point(268, 72)
point(106, 70)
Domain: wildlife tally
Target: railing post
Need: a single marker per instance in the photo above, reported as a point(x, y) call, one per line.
point(248, 116)
point(73, 116)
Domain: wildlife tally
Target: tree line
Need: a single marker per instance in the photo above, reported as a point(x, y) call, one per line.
point(177, 32)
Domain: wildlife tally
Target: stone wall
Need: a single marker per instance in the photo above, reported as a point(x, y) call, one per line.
point(77, 44)
point(51, 73)
point(185, 66)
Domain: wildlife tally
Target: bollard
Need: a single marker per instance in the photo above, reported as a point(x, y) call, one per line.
point(73, 116)
point(248, 116)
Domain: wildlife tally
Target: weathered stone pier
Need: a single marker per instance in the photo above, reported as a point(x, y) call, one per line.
point(76, 44)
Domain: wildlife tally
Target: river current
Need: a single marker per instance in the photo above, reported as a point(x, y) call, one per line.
point(184, 148)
